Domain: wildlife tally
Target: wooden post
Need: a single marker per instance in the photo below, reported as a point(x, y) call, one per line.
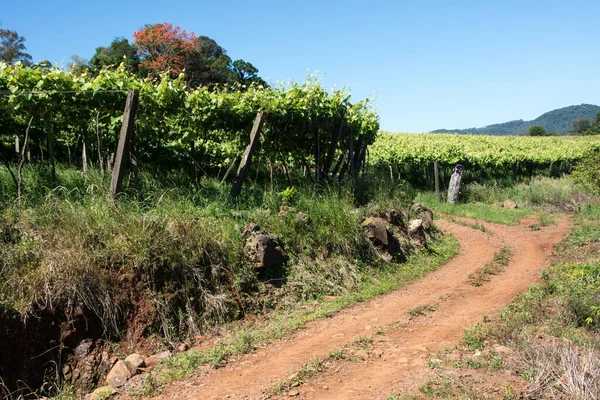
point(358, 153)
point(455, 182)
point(244, 167)
point(228, 169)
point(436, 172)
point(50, 143)
point(351, 153)
point(125, 139)
point(331, 150)
point(17, 146)
point(317, 159)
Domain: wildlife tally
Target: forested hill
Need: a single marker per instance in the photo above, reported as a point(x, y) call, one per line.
point(555, 121)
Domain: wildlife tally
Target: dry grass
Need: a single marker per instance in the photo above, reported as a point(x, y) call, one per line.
point(558, 369)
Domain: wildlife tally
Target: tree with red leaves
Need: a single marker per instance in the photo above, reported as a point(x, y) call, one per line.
point(165, 48)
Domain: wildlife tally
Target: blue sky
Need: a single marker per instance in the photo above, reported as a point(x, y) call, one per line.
point(430, 64)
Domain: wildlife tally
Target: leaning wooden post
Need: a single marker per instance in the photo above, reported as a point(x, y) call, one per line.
point(455, 182)
point(331, 151)
point(125, 139)
point(244, 167)
point(436, 172)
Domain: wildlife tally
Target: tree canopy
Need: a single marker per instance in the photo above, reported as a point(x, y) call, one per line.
point(12, 48)
point(537, 130)
point(119, 51)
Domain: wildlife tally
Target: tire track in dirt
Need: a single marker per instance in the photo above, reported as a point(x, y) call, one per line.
point(402, 365)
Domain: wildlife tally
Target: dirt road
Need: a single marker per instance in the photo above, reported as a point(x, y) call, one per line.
point(397, 361)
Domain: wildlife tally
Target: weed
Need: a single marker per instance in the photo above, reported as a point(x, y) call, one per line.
point(336, 354)
point(364, 341)
point(438, 388)
point(476, 225)
point(500, 260)
point(421, 310)
point(379, 331)
point(474, 337)
point(475, 364)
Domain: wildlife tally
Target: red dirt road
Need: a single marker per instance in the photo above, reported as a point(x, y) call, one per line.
point(399, 364)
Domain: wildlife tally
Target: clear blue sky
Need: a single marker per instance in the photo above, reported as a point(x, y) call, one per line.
point(430, 64)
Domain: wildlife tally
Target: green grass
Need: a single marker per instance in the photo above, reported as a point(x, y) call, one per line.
point(477, 211)
point(421, 310)
point(282, 323)
point(477, 225)
point(494, 267)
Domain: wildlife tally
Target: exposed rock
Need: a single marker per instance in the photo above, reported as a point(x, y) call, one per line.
point(284, 211)
point(183, 347)
point(425, 214)
point(250, 229)
point(302, 219)
point(376, 230)
point(155, 359)
point(427, 218)
point(90, 360)
point(101, 393)
point(510, 204)
point(416, 232)
point(265, 250)
point(119, 374)
point(416, 208)
point(396, 218)
point(293, 393)
point(135, 362)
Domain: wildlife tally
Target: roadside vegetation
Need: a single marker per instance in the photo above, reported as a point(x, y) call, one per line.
point(546, 343)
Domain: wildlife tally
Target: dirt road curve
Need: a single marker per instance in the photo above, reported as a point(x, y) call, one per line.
point(403, 347)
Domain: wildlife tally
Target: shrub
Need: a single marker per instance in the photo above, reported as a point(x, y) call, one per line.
point(587, 173)
point(537, 130)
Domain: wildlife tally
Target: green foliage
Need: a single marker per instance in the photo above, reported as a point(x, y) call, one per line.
point(581, 125)
point(12, 48)
point(537, 130)
point(176, 127)
point(587, 172)
point(478, 151)
point(119, 51)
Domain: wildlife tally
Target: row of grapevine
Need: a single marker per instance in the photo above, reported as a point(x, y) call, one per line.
point(78, 118)
point(480, 150)
point(486, 158)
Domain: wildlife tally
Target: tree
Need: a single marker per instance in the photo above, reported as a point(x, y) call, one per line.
point(78, 65)
point(208, 65)
point(119, 51)
point(164, 48)
point(537, 130)
point(580, 125)
point(12, 48)
point(246, 73)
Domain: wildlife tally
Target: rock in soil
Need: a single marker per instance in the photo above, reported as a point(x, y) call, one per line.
point(264, 250)
point(416, 232)
point(135, 362)
point(155, 359)
point(101, 393)
point(119, 374)
point(510, 204)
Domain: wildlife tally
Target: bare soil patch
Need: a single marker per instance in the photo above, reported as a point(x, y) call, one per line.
point(395, 361)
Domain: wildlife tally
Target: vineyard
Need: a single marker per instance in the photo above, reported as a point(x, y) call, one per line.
point(486, 157)
point(52, 116)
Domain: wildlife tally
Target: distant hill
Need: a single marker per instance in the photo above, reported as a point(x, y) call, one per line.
point(555, 121)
